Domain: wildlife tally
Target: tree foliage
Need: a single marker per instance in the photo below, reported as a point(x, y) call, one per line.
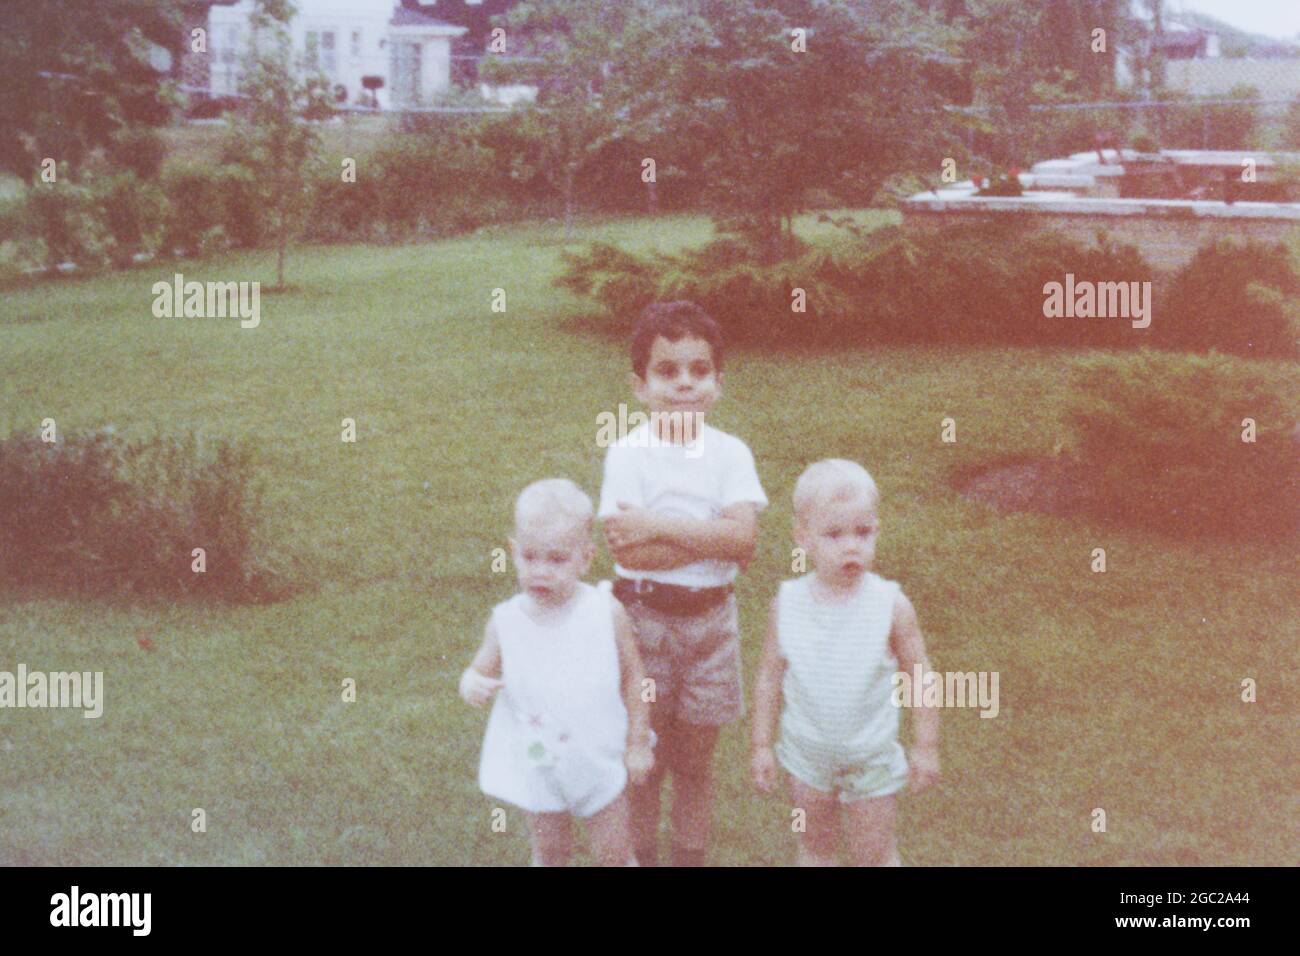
point(272, 135)
point(1018, 55)
point(715, 87)
point(863, 101)
point(75, 75)
point(603, 71)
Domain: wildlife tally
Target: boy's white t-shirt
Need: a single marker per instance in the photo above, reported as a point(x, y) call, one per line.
point(696, 481)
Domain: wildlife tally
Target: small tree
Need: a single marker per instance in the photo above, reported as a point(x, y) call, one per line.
point(1020, 55)
point(597, 65)
point(272, 136)
point(861, 102)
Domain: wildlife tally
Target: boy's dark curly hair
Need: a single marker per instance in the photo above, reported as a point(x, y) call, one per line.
point(674, 321)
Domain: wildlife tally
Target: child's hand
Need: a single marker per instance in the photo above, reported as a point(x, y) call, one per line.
point(477, 689)
point(763, 767)
point(924, 769)
point(640, 760)
point(631, 526)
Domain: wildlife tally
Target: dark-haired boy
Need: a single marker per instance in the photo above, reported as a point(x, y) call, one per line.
point(680, 501)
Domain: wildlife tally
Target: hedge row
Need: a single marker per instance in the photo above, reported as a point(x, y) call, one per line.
point(966, 284)
point(450, 178)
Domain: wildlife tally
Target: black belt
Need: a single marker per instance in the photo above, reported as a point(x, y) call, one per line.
point(670, 598)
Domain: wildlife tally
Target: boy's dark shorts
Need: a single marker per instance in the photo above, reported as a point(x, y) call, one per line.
point(694, 662)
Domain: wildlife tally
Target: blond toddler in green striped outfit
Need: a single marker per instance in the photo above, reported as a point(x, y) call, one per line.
point(835, 639)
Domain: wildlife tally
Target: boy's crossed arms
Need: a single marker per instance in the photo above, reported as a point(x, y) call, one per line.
point(646, 540)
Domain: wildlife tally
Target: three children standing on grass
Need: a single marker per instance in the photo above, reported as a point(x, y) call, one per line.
point(598, 701)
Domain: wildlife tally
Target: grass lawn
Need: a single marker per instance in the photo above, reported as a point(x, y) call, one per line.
point(1118, 690)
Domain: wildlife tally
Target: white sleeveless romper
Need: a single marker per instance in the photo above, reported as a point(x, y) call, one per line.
point(557, 734)
point(839, 725)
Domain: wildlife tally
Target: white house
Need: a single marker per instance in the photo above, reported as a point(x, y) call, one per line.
point(347, 40)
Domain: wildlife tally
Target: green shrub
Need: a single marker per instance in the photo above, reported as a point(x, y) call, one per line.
point(1000, 184)
point(194, 209)
point(210, 207)
point(622, 283)
point(11, 238)
point(1159, 439)
point(413, 186)
point(243, 214)
point(1200, 126)
point(1232, 297)
point(343, 212)
point(132, 214)
point(58, 224)
point(515, 167)
point(1235, 126)
point(429, 185)
point(970, 283)
point(94, 513)
point(138, 150)
point(757, 303)
point(983, 283)
point(1143, 140)
point(974, 284)
point(752, 302)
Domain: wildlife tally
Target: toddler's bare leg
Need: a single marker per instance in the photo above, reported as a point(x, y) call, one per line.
point(817, 844)
point(869, 829)
point(644, 801)
point(691, 758)
point(552, 838)
point(611, 843)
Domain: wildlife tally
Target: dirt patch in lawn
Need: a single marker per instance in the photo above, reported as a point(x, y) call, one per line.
point(1047, 486)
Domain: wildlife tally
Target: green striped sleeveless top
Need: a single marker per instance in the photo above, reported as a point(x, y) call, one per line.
point(839, 666)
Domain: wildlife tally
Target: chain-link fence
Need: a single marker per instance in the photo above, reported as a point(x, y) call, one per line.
point(1020, 136)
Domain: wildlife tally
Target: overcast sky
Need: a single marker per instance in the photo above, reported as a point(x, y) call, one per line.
point(1275, 18)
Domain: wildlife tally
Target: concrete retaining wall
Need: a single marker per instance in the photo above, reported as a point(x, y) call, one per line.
point(1166, 231)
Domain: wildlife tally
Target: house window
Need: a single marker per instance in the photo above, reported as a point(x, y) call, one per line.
point(356, 44)
point(230, 49)
point(330, 63)
point(321, 54)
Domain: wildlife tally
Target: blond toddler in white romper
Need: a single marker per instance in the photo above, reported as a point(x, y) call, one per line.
point(568, 728)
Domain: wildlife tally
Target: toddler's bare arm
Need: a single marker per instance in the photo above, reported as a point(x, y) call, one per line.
point(481, 679)
point(640, 754)
point(909, 650)
point(767, 706)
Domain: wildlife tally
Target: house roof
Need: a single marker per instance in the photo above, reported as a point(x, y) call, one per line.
point(406, 17)
point(476, 15)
